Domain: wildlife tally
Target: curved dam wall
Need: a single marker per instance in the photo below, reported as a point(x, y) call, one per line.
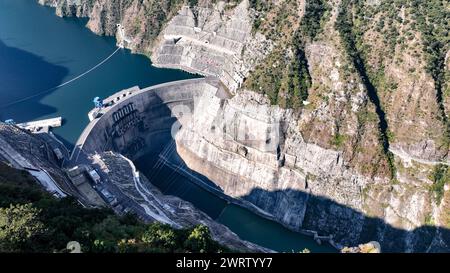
point(137, 121)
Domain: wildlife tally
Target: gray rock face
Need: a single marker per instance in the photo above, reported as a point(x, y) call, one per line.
point(70, 7)
point(254, 152)
point(278, 170)
point(142, 20)
point(215, 42)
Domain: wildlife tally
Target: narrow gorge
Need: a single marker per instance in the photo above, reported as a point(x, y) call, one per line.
point(328, 118)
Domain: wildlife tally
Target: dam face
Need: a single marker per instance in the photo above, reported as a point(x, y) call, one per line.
point(142, 124)
point(135, 122)
point(156, 128)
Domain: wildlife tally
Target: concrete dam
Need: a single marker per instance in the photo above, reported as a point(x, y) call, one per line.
point(160, 121)
point(238, 149)
point(133, 122)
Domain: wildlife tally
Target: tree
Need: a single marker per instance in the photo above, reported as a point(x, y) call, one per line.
point(199, 240)
point(18, 225)
point(160, 235)
point(440, 177)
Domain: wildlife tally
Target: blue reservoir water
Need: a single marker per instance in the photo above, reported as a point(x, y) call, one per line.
point(39, 51)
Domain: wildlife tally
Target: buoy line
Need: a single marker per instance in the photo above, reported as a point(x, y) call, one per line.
point(62, 84)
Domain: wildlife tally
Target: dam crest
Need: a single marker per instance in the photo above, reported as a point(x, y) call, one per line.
point(134, 121)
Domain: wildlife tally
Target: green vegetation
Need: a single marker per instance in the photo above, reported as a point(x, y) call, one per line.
point(382, 82)
point(338, 140)
point(420, 26)
point(365, 116)
point(266, 78)
point(390, 135)
point(31, 220)
point(157, 13)
point(316, 14)
point(345, 26)
point(18, 224)
point(398, 21)
point(350, 38)
point(284, 75)
point(440, 177)
point(429, 220)
point(260, 6)
point(432, 20)
point(284, 80)
point(193, 6)
point(193, 3)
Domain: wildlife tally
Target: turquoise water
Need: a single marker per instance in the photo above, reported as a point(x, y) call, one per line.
point(241, 221)
point(39, 51)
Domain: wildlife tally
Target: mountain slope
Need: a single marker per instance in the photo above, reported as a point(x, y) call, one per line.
point(31, 220)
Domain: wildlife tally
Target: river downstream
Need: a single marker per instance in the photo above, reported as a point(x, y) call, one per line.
point(40, 51)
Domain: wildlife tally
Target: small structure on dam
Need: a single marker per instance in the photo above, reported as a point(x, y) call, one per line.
point(134, 121)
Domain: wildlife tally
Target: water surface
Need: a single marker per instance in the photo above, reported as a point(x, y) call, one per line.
point(241, 221)
point(39, 50)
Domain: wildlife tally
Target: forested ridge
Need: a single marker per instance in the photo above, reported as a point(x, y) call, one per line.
point(32, 220)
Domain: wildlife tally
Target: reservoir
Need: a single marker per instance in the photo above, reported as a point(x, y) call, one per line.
point(40, 51)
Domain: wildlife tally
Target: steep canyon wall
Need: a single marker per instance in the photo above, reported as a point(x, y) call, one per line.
point(328, 170)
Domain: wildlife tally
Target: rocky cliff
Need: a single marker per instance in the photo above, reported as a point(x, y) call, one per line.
point(339, 120)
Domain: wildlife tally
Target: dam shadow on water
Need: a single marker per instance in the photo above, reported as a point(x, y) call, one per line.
point(257, 229)
point(175, 178)
point(19, 80)
point(165, 169)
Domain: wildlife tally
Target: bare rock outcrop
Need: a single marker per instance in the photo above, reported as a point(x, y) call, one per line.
point(299, 184)
point(213, 41)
